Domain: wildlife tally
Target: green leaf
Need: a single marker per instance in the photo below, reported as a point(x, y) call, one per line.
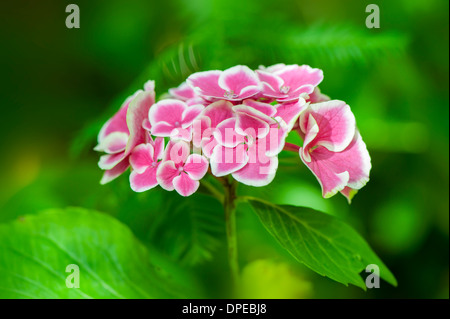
point(322, 242)
point(35, 251)
point(189, 230)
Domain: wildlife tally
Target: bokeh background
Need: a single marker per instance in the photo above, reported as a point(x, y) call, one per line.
point(59, 85)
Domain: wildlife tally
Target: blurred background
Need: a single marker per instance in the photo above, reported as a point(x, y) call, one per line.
point(59, 85)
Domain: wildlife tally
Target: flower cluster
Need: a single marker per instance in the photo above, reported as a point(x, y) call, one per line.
point(234, 122)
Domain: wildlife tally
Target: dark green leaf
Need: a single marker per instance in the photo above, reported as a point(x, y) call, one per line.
point(190, 229)
point(321, 242)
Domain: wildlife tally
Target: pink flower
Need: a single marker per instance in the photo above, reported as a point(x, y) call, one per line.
point(234, 84)
point(187, 94)
point(173, 118)
point(181, 171)
point(207, 122)
point(249, 143)
point(316, 96)
point(239, 119)
point(120, 134)
point(183, 92)
point(333, 148)
point(287, 83)
point(145, 160)
point(272, 68)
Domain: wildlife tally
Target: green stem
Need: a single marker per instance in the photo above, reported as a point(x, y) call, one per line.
point(229, 204)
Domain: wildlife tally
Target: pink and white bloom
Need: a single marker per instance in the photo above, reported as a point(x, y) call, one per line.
point(234, 84)
point(290, 82)
point(187, 94)
point(248, 144)
point(239, 120)
point(181, 170)
point(207, 122)
point(286, 118)
point(144, 161)
point(333, 148)
point(173, 118)
point(272, 68)
point(120, 134)
point(183, 92)
point(260, 169)
point(317, 96)
point(246, 161)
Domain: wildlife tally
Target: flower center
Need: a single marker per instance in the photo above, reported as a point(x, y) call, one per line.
point(285, 89)
point(177, 124)
point(180, 169)
point(154, 164)
point(230, 95)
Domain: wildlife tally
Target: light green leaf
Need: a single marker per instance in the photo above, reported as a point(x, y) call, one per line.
point(322, 242)
point(35, 251)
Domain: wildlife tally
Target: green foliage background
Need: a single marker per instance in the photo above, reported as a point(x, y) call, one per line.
point(59, 85)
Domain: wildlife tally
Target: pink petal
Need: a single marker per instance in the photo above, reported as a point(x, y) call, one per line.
point(271, 84)
point(177, 152)
point(325, 167)
point(357, 154)
point(169, 111)
point(137, 113)
point(272, 68)
point(197, 100)
point(247, 125)
point(260, 169)
point(240, 82)
point(118, 123)
point(206, 83)
point(290, 112)
point(190, 113)
point(158, 145)
point(218, 112)
point(115, 172)
point(249, 110)
point(183, 92)
point(275, 140)
point(336, 170)
point(146, 125)
point(316, 96)
point(203, 134)
point(145, 181)
point(108, 161)
point(199, 128)
point(162, 129)
point(196, 166)
point(142, 157)
point(226, 134)
point(299, 80)
point(336, 124)
point(208, 146)
point(265, 108)
point(114, 142)
point(165, 174)
point(312, 129)
point(184, 185)
point(226, 160)
point(184, 134)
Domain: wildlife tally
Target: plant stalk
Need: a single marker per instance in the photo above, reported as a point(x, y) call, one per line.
point(230, 221)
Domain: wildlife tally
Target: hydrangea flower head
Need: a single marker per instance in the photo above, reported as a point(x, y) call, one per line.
point(234, 123)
